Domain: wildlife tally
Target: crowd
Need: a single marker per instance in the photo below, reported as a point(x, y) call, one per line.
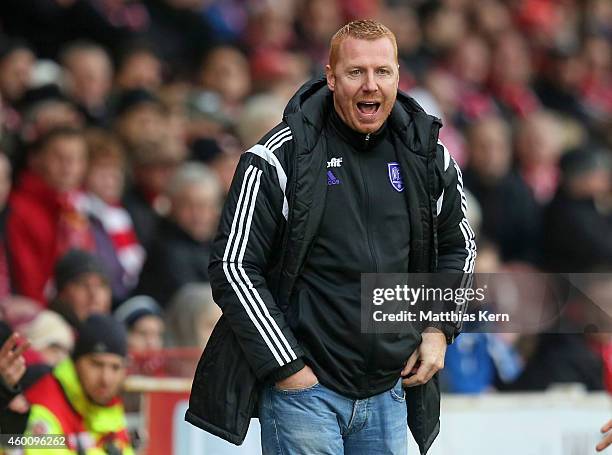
point(121, 123)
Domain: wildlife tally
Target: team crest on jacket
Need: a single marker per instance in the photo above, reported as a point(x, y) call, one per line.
point(395, 176)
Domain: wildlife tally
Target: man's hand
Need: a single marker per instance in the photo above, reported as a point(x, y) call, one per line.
point(427, 359)
point(303, 379)
point(12, 363)
point(607, 439)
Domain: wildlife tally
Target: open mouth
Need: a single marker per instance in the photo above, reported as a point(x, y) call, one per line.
point(368, 107)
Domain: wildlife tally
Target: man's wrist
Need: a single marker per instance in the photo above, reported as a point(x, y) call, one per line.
point(448, 330)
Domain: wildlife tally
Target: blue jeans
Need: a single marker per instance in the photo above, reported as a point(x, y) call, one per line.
point(319, 421)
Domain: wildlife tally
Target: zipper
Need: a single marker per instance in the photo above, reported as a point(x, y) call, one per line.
point(367, 206)
point(372, 338)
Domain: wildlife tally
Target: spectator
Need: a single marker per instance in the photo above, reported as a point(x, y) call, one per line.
point(16, 65)
point(560, 358)
point(181, 33)
point(205, 114)
point(470, 63)
point(317, 21)
point(538, 149)
point(46, 216)
point(511, 75)
point(139, 68)
point(574, 214)
point(12, 364)
point(111, 24)
point(80, 397)
point(116, 243)
point(153, 164)
point(181, 250)
point(139, 117)
point(18, 311)
point(479, 362)
point(51, 336)
point(82, 287)
point(225, 71)
point(89, 76)
point(261, 113)
point(144, 322)
point(558, 84)
point(192, 315)
point(511, 216)
point(221, 156)
point(42, 109)
point(443, 89)
point(45, 108)
point(5, 189)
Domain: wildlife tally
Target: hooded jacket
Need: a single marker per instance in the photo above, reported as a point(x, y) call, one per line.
point(268, 227)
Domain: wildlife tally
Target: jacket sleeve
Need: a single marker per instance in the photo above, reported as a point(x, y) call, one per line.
point(7, 393)
point(456, 239)
point(245, 245)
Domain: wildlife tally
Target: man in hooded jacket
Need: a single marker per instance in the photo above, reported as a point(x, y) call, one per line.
point(352, 181)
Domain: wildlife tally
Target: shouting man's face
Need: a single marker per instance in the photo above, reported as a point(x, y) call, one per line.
point(364, 80)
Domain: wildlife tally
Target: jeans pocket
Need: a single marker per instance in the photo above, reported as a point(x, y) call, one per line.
point(398, 393)
point(295, 391)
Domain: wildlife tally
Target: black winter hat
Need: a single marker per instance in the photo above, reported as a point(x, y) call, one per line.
point(130, 311)
point(74, 264)
point(100, 333)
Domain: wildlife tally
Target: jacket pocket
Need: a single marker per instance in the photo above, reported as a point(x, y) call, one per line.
point(398, 393)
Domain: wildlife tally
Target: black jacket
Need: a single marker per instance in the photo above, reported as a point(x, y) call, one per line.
point(269, 224)
point(588, 230)
point(173, 260)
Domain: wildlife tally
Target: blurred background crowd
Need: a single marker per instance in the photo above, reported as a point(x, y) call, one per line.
point(121, 123)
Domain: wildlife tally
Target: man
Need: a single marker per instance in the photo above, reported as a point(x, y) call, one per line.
point(45, 218)
point(144, 322)
point(181, 250)
point(82, 287)
point(574, 213)
point(79, 398)
point(353, 180)
point(89, 78)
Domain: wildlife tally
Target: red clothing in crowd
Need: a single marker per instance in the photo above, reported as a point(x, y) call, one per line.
point(42, 225)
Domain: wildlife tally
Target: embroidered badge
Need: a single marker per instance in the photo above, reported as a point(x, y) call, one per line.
point(395, 176)
point(332, 179)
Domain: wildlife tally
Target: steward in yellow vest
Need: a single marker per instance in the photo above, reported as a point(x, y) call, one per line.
point(79, 398)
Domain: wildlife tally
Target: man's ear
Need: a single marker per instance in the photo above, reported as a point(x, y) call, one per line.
point(331, 79)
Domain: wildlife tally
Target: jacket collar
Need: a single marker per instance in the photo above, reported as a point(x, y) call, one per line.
point(355, 138)
point(314, 100)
